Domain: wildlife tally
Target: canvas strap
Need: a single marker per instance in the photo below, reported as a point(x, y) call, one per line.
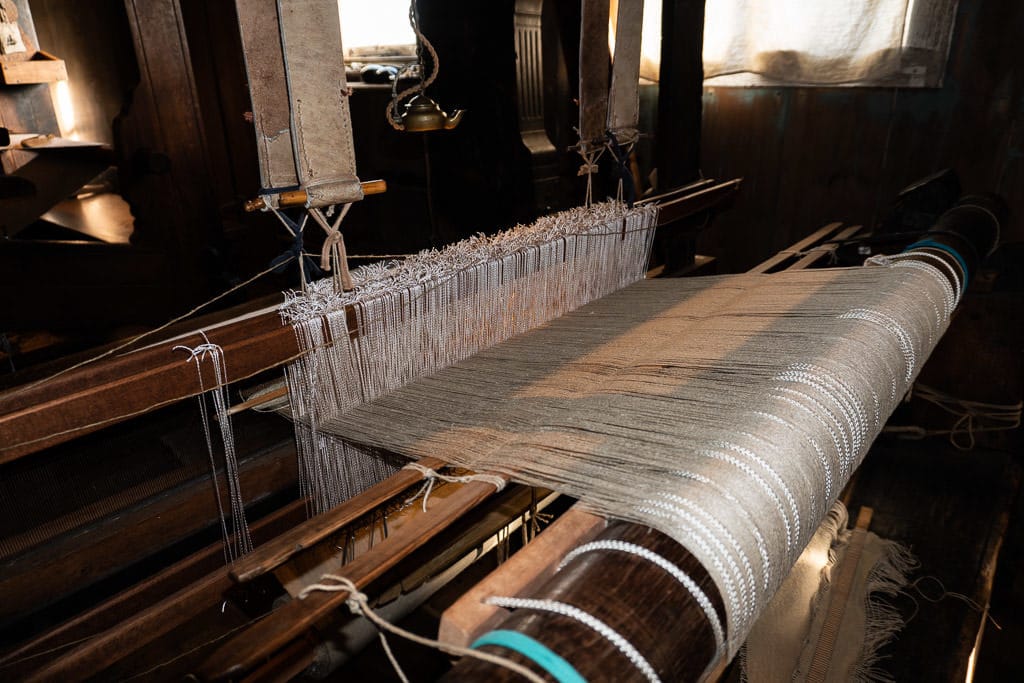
point(624, 96)
point(593, 73)
point(294, 60)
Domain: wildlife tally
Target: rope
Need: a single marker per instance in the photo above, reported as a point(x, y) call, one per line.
point(422, 44)
point(358, 603)
point(430, 476)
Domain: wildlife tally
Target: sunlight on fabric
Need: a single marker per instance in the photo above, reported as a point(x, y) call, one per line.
point(827, 42)
point(382, 23)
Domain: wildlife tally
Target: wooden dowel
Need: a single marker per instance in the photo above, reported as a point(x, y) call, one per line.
point(260, 400)
point(294, 198)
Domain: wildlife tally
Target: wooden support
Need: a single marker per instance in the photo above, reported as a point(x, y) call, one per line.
point(522, 574)
point(116, 388)
point(275, 553)
point(115, 613)
point(279, 628)
point(814, 238)
point(45, 574)
point(819, 253)
point(105, 648)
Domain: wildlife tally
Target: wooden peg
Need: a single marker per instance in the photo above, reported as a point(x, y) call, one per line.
point(298, 197)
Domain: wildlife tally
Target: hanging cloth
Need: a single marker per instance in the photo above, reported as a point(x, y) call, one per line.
point(293, 58)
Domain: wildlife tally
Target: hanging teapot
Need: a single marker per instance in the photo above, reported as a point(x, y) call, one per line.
point(423, 114)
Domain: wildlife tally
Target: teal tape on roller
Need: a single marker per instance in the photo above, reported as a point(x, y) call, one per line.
point(559, 669)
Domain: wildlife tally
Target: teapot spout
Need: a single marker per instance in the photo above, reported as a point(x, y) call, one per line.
point(453, 119)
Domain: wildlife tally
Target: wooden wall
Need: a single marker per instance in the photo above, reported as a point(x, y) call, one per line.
point(814, 155)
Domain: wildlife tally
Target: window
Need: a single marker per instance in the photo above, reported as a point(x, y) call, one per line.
point(901, 43)
point(377, 29)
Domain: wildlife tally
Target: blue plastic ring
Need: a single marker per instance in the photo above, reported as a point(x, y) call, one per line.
point(559, 669)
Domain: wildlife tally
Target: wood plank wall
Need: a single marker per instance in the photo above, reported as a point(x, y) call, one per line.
point(813, 155)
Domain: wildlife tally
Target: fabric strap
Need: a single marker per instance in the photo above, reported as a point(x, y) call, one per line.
point(559, 669)
point(624, 96)
point(299, 99)
point(593, 72)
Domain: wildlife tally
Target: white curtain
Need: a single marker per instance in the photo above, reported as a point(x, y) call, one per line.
point(827, 42)
point(901, 43)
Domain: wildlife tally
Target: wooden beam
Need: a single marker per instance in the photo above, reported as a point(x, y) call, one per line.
point(45, 574)
point(523, 573)
point(814, 238)
point(116, 628)
point(279, 628)
point(284, 547)
point(116, 388)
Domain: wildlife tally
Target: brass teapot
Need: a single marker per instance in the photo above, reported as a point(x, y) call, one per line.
point(423, 114)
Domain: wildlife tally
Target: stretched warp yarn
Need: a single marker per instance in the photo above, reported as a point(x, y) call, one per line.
point(727, 412)
point(406, 319)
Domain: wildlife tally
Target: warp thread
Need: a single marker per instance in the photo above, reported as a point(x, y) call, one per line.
point(656, 402)
point(426, 312)
point(239, 541)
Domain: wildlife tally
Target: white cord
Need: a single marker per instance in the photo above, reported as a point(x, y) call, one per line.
point(689, 584)
point(610, 634)
point(359, 604)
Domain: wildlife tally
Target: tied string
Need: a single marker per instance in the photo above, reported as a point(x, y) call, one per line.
point(589, 167)
point(358, 603)
point(308, 270)
point(620, 152)
point(431, 476)
point(334, 248)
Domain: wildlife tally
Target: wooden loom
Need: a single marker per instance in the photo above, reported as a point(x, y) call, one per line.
point(121, 628)
point(285, 642)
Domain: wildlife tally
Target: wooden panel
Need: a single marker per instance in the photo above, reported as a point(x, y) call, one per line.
point(812, 155)
point(753, 124)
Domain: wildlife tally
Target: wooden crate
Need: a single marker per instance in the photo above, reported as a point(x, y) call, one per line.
point(41, 67)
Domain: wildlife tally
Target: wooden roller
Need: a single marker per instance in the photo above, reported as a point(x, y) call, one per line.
point(298, 197)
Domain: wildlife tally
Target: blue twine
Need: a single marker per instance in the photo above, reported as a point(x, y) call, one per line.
point(281, 263)
point(559, 669)
point(625, 175)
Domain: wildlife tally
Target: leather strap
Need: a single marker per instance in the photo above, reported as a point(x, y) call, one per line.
point(264, 64)
point(624, 96)
point(293, 56)
point(593, 74)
